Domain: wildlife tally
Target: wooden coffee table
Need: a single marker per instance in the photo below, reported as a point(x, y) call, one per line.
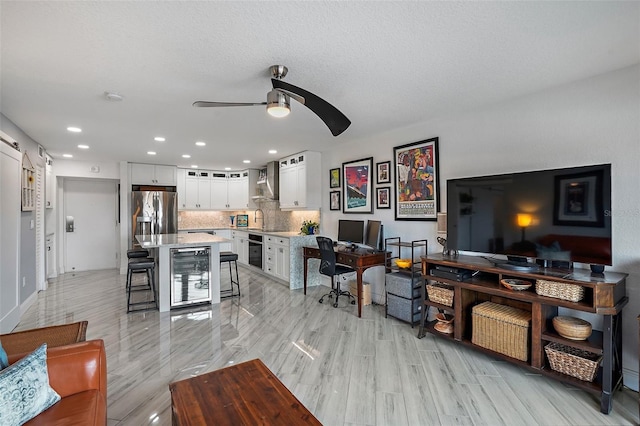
point(243, 394)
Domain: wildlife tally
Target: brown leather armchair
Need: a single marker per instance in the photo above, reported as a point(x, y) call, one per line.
point(78, 372)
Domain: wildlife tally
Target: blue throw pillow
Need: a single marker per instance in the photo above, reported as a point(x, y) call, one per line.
point(25, 390)
point(4, 360)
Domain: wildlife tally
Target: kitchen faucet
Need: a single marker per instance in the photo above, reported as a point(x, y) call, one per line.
point(255, 217)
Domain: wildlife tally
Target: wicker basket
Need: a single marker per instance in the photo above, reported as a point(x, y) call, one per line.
point(502, 329)
point(440, 293)
point(571, 292)
point(573, 362)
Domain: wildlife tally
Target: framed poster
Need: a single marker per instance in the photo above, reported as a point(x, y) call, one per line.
point(416, 180)
point(383, 197)
point(334, 178)
point(383, 174)
point(357, 186)
point(334, 200)
point(577, 200)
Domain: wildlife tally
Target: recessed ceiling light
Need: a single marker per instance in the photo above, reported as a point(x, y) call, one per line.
point(227, 168)
point(74, 129)
point(110, 96)
point(200, 143)
point(83, 146)
point(159, 139)
point(246, 161)
point(151, 152)
point(194, 166)
point(186, 156)
point(273, 151)
point(67, 155)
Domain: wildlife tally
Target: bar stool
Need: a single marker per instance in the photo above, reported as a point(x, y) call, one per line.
point(146, 265)
point(137, 252)
point(227, 256)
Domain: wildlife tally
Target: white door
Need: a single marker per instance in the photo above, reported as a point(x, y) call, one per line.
point(91, 241)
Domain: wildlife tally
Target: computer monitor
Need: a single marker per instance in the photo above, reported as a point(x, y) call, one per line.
point(373, 235)
point(351, 231)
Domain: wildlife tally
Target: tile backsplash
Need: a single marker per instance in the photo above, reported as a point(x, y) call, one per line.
point(268, 216)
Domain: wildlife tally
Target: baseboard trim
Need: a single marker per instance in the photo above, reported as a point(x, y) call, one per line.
point(630, 379)
point(27, 303)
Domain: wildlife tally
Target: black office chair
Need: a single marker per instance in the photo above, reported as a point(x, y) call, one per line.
point(329, 268)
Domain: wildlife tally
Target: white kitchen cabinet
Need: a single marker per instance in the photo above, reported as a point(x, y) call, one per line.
point(219, 191)
point(197, 190)
point(300, 181)
point(49, 185)
point(241, 245)
point(231, 190)
point(238, 190)
point(153, 174)
point(181, 188)
point(216, 190)
point(277, 257)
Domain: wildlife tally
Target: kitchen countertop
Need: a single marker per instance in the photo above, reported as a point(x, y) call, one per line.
point(287, 234)
point(177, 240)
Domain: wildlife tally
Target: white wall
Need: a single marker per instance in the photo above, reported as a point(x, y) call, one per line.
point(587, 122)
point(84, 169)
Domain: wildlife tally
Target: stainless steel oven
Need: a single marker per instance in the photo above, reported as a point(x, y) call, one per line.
point(255, 250)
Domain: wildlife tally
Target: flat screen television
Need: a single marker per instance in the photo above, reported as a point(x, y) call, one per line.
point(557, 216)
point(351, 231)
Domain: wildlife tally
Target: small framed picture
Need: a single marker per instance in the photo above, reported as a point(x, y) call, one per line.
point(358, 186)
point(334, 200)
point(383, 175)
point(382, 198)
point(334, 178)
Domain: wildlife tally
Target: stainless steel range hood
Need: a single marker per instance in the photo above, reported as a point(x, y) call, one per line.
point(268, 185)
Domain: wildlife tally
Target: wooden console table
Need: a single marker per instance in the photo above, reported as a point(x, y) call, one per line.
point(604, 294)
point(359, 259)
point(243, 394)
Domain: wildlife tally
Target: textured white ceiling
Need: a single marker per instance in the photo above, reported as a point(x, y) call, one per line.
point(386, 65)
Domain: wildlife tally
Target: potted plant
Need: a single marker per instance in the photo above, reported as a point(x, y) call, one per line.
point(309, 227)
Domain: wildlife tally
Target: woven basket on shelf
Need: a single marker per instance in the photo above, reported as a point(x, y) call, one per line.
point(571, 292)
point(440, 293)
point(572, 361)
point(502, 329)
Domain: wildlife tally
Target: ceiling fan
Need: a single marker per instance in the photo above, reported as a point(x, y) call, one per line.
point(278, 102)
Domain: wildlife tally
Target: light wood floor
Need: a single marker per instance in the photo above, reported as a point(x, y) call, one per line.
point(347, 371)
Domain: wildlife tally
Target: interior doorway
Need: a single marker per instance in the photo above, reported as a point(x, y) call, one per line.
point(90, 226)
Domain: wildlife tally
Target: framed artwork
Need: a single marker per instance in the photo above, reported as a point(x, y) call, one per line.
point(334, 200)
point(416, 180)
point(357, 186)
point(334, 178)
point(577, 200)
point(383, 197)
point(383, 174)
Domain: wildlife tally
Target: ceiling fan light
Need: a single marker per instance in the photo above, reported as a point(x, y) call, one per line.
point(278, 104)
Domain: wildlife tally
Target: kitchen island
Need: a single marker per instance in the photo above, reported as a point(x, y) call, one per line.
point(289, 244)
point(163, 243)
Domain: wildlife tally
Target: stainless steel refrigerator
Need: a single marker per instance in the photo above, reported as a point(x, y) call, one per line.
point(153, 212)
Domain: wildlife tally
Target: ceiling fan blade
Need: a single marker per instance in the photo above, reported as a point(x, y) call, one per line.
point(202, 104)
point(332, 117)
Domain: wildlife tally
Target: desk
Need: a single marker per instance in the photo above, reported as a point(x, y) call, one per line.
point(243, 394)
point(359, 259)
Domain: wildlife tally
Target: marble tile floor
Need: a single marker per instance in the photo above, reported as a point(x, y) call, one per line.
point(347, 371)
